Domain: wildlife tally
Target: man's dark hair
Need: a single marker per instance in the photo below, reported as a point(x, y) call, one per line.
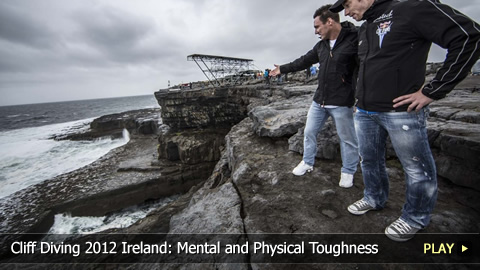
point(324, 14)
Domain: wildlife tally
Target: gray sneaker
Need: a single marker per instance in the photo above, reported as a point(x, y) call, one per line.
point(400, 231)
point(360, 207)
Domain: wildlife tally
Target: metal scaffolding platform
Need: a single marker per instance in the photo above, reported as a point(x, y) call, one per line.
point(221, 70)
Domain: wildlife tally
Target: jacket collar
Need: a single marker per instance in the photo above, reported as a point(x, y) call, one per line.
point(347, 27)
point(377, 9)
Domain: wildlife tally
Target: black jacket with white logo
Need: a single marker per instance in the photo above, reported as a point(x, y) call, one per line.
point(394, 43)
point(337, 70)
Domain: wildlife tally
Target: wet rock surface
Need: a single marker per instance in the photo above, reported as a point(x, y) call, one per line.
point(143, 122)
point(124, 177)
point(280, 119)
point(192, 146)
point(275, 201)
point(128, 175)
point(267, 198)
point(454, 134)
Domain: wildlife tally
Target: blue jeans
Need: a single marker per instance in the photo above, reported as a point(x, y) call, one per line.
point(408, 134)
point(343, 118)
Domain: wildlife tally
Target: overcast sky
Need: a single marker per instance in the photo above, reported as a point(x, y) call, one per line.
point(55, 50)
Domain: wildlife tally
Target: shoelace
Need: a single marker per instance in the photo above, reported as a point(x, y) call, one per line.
point(401, 226)
point(361, 204)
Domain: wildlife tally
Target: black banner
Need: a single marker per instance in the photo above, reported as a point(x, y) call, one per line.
point(238, 248)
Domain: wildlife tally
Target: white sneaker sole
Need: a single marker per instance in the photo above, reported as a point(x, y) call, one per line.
point(307, 171)
point(397, 239)
point(356, 212)
point(343, 186)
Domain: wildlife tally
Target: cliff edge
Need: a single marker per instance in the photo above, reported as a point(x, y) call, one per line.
point(247, 139)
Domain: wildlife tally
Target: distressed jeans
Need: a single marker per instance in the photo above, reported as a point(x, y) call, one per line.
point(343, 118)
point(408, 134)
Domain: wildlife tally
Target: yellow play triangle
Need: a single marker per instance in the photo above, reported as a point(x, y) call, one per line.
point(464, 248)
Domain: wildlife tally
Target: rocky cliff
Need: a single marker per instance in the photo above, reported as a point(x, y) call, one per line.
point(252, 189)
point(255, 142)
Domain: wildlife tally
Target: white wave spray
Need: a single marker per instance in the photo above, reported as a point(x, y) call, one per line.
point(68, 225)
point(28, 156)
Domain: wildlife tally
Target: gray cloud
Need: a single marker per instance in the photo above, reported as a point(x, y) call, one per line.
point(115, 34)
point(17, 26)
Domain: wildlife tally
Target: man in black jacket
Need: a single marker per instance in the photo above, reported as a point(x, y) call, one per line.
point(337, 55)
point(392, 96)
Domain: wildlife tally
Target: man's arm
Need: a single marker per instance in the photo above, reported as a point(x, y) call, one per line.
point(451, 30)
point(301, 63)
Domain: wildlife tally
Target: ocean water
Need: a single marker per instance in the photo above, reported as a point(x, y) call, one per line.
point(65, 224)
point(35, 115)
point(27, 154)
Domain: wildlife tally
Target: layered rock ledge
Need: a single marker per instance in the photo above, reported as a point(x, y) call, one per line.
point(254, 191)
point(251, 189)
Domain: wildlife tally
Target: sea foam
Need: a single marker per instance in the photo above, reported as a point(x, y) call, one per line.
point(28, 156)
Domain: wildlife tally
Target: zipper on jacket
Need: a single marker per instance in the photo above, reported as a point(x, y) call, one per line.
point(326, 71)
point(365, 66)
point(339, 40)
point(325, 84)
